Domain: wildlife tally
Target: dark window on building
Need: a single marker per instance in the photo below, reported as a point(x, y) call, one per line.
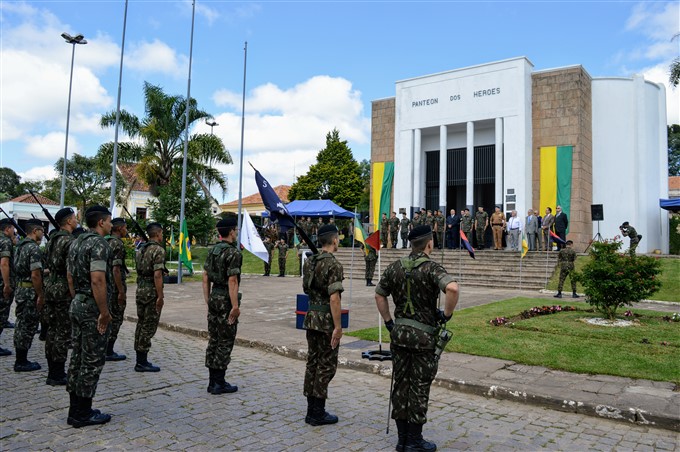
point(140, 213)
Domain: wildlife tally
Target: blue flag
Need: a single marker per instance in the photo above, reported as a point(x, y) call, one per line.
point(467, 245)
point(277, 210)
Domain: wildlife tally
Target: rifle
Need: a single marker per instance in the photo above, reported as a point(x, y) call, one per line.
point(14, 223)
point(138, 228)
point(45, 211)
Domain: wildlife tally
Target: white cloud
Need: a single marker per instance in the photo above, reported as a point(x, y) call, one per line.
point(39, 173)
point(156, 57)
point(656, 20)
point(51, 145)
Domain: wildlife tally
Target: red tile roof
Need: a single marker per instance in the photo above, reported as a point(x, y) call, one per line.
point(129, 173)
point(674, 183)
point(280, 190)
point(27, 198)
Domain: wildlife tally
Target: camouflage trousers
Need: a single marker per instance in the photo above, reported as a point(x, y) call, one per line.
point(564, 272)
point(282, 266)
point(480, 237)
point(221, 335)
point(394, 237)
point(117, 316)
point(89, 347)
point(404, 239)
point(5, 305)
point(414, 371)
point(28, 318)
point(268, 266)
point(383, 238)
point(370, 269)
point(633, 245)
point(322, 362)
point(147, 318)
point(56, 313)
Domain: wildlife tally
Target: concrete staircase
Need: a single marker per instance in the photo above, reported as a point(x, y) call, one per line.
point(495, 269)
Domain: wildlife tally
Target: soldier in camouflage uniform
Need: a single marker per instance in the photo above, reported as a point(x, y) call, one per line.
point(371, 257)
point(481, 223)
point(414, 283)
point(221, 281)
point(119, 294)
point(565, 260)
point(150, 263)
point(415, 222)
point(89, 276)
point(440, 221)
point(394, 229)
point(404, 229)
point(7, 276)
point(282, 247)
point(58, 297)
point(28, 263)
point(384, 228)
point(629, 231)
point(466, 223)
point(322, 281)
point(270, 252)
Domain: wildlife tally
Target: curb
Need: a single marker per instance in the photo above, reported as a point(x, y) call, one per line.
point(628, 414)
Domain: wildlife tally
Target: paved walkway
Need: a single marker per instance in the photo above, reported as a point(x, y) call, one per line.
point(171, 410)
point(268, 322)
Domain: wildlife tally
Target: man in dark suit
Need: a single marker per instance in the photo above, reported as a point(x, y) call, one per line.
point(561, 224)
point(453, 230)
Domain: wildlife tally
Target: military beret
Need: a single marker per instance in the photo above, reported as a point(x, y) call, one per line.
point(420, 232)
point(34, 222)
point(327, 229)
point(229, 222)
point(96, 209)
point(153, 225)
point(63, 214)
point(5, 223)
point(118, 221)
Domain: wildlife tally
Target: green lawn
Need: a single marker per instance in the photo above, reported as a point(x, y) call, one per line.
point(562, 341)
point(670, 279)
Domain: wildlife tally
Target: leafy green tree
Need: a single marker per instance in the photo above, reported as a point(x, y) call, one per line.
point(159, 141)
point(612, 280)
point(364, 202)
point(9, 184)
point(335, 175)
point(674, 150)
point(674, 76)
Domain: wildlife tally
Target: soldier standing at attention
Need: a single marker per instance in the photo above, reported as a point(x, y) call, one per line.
point(282, 246)
point(481, 223)
point(416, 221)
point(414, 283)
point(370, 259)
point(7, 276)
point(405, 228)
point(221, 281)
point(150, 263)
point(58, 297)
point(270, 251)
point(394, 229)
point(119, 293)
point(466, 223)
point(440, 221)
point(629, 231)
point(384, 227)
point(30, 298)
point(566, 259)
point(89, 267)
point(323, 283)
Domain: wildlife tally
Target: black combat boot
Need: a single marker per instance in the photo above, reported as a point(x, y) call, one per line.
point(55, 374)
point(311, 404)
point(43, 331)
point(574, 294)
point(558, 294)
point(415, 441)
point(143, 364)
point(369, 283)
point(211, 380)
point(221, 386)
point(111, 355)
point(74, 402)
point(5, 352)
point(84, 415)
point(402, 431)
point(22, 364)
point(320, 416)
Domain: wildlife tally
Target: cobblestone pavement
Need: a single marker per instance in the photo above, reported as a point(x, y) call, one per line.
point(172, 410)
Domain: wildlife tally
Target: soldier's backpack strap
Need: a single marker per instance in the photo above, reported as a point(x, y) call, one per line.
point(308, 277)
point(409, 265)
point(213, 261)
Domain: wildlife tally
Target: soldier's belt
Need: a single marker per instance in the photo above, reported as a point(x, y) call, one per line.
point(416, 324)
point(496, 224)
point(320, 307)
point(25, 284)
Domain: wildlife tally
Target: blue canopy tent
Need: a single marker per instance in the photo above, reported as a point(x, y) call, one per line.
point(317, 208)
point(670, 204)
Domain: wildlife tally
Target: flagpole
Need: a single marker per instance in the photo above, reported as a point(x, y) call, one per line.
point(379, 317)
point(352, 264)
point(186, 138)
point(243, 122)
point(114, 163)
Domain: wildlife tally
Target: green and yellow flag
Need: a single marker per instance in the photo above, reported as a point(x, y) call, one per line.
point(556, 168)
point(359, 234)
point(383, 173)
point(525, 245)
point(172, 238)
point(185, 247)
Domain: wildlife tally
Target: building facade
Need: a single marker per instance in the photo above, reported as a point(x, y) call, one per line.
point(520, 139)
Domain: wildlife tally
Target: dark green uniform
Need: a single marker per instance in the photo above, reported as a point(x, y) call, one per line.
point(223, 261)
point(117, 311)
point(480, 227)
point(283, 251)
point(440, 221)
point(565, 259)
point(466, 226)
point(270, 251)
point(404, 230)
point(57, 297)
point(370, 258)
point(630, 232)
point(151, 257)
point(413, 338)
point(322, 360)
point(89, 253)
point(6, 251)
point(384, 227)
point(28, 258)
point(394, 230)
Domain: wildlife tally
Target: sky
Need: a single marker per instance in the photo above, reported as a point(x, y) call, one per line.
point(312, 66)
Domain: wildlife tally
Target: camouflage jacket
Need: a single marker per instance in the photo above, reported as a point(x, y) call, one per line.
point(630, 232)
point(283, 250)
point(394, 223)
point(439, 221)
point(466, 223)
point(480, 219)
point(7, 250)
point(372, 255)
point(151, 257)
point(428, 220)
point(224, 260)
point(384, 225)
point(426, 280)
point(56, 252)
point(118, 254)
point(325, 278)
point(89, 253)
point(270, 248)
point(566, 258)
point(404, 224)
point(28, 257)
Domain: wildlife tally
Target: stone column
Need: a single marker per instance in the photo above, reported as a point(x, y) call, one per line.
point(442, 167)
point(498, 196)
point(417, 172)
point(470, 168)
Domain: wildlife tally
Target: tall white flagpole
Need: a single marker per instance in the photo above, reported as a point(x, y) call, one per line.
point(243, 122)
point(186, 138)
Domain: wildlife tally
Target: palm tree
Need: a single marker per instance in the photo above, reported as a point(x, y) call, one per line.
point(159, 142)
point(674, 77)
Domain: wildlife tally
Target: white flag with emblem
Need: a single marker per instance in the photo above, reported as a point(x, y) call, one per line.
point(250, 238)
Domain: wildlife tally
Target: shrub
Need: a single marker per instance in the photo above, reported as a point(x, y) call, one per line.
point(674, 234)
point(612, 280)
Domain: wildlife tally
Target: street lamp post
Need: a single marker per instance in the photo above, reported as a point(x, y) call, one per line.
point(211, 124)
point(78, 39)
